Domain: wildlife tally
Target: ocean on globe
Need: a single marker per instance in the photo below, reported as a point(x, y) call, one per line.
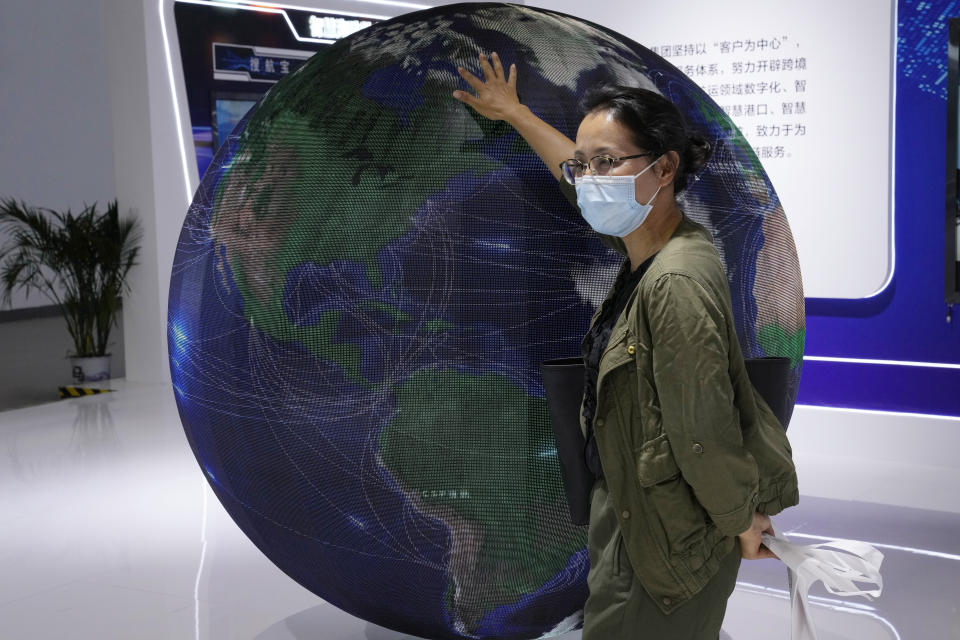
point(366, 282)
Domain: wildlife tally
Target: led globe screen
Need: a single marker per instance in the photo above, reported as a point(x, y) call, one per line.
point(365, 285)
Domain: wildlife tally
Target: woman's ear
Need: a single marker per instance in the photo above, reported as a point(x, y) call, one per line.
point(667, 167)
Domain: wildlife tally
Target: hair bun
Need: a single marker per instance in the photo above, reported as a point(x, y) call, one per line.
point(696, 154)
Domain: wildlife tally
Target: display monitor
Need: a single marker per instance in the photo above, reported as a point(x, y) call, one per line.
point(952, 217)
point(229, 107)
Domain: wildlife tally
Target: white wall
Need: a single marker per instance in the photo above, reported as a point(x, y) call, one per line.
point(147, 174)
point(874, 456)
point(56, 147)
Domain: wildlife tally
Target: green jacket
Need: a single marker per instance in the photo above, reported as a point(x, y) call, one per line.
point(688, 447)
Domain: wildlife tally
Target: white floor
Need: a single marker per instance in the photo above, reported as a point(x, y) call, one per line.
point(108, 530)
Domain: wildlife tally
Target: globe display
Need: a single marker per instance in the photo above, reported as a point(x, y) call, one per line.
point(365, 285)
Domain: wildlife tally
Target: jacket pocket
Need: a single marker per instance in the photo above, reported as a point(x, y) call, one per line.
point(656, 463)
point(682, 521)
point(618, 554)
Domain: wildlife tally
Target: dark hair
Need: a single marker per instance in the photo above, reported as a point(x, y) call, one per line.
point(656, 124)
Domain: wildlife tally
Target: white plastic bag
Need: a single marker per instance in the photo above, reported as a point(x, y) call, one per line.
point(840, 564)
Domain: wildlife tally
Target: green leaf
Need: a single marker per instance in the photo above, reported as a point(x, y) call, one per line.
point(80, 262)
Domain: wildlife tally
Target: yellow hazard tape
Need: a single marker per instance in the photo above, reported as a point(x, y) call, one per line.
point(77, 392)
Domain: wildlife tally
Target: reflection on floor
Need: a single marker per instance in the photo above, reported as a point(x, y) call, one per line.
point(109, 531)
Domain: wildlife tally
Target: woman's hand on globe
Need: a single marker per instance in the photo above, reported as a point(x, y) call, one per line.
point(496, 97)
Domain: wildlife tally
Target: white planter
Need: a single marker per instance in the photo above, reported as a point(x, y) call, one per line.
point(90, 369)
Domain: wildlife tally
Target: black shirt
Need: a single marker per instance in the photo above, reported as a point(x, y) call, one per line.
point(595, 343)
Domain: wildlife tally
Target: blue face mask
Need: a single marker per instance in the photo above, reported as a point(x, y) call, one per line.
point(609, 203)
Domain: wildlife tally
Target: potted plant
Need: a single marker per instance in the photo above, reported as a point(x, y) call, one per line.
point(80, 263)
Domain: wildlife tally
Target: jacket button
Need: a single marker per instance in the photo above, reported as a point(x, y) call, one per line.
point(631, 349)
point(667, 601)
point(598, 422)
point(697, 447)
point(625, 514)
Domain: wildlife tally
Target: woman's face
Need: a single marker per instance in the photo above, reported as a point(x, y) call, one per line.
point(601, 135)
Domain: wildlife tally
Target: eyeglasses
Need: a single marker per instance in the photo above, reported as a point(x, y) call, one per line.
point(573, 169)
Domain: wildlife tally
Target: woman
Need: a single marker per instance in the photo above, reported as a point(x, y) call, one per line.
point(689, 460)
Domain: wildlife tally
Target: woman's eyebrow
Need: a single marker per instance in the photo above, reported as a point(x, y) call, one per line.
point(598, 152)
